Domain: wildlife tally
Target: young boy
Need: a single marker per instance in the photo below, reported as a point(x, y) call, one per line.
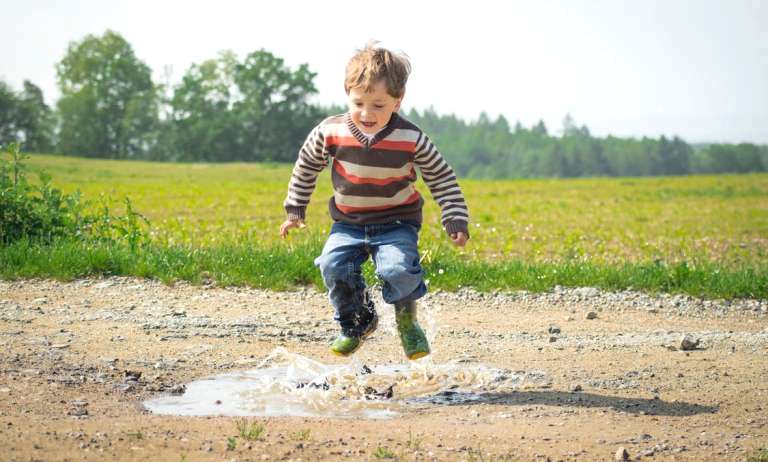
point(375, 206)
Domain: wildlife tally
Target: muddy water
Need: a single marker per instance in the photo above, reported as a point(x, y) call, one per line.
point(289, 384)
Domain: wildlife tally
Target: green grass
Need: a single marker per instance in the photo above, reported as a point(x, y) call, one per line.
point(249, 430)
point(758, 455)
point(284, 267)
point(701, 235)
point(383, 452)
point(613, 220)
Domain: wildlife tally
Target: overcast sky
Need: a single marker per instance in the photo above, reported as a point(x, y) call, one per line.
point(697, 69)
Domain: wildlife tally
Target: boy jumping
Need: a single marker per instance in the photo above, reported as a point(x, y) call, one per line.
point(376, 209)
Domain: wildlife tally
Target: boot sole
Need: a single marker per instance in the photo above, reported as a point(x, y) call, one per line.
point(363, 337)
point(417, 355)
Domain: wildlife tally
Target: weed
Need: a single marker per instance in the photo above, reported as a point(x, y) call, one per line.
point(135, 435)
point(231, 443)
point(382, 452)
point(250, 430)
point(758, 455)
point(41, 213)
point(302, 435)
point(414, 441)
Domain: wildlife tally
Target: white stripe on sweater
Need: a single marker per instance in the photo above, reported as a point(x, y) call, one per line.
point(365, 201)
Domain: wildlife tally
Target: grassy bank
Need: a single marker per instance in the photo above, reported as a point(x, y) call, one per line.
point(285, 266)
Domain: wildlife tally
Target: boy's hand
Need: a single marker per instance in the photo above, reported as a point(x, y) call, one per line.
point(459, 238)
point(288, 224)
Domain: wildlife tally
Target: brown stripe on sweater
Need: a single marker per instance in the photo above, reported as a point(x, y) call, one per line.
point(343, 186)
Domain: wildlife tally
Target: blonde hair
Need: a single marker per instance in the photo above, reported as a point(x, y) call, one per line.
point(374, 64)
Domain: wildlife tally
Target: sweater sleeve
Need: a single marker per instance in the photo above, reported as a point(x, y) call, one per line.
point(441, 181)
point(311, 161)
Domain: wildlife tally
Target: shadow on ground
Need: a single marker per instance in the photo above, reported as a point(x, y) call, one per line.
point(566, 399)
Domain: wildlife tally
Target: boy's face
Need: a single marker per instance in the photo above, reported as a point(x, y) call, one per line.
point(372, 110)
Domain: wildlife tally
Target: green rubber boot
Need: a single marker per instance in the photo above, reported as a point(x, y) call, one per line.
point(412, 336)
point(345, 345)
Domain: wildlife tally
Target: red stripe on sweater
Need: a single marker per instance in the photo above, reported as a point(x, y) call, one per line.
point(406, 146)
point(340, 140)
point(363, 180)
point(347, 209)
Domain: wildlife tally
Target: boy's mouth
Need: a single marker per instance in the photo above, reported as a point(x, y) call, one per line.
point(368, 124)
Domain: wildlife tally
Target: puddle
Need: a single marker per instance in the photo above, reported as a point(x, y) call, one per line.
point(289, 384)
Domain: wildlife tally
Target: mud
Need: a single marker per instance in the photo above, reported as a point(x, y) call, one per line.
point(80, 361)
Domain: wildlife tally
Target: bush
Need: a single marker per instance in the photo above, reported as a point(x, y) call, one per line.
point(42, 213)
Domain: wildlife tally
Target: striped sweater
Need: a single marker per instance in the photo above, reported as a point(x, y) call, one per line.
point(373, 178)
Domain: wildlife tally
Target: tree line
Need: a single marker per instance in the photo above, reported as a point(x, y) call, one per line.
point(259, 109)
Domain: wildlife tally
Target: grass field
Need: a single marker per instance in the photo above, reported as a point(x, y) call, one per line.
point(718, 223)
point(715, 218)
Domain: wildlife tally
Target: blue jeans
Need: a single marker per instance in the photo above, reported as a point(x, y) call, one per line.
point(393, 247)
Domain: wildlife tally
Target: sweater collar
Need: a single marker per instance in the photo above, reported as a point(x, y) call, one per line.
point(366, 141)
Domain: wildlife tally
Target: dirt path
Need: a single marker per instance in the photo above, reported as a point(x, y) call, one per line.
point(78, 359)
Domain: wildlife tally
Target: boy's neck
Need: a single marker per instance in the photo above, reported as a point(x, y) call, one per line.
point(370, 139)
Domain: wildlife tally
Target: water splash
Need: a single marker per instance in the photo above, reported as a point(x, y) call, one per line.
point(289, 384)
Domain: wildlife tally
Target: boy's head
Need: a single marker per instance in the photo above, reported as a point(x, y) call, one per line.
point(372, 65)
point(375, 85)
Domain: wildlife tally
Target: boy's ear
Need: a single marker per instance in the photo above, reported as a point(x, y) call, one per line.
point(399, 101)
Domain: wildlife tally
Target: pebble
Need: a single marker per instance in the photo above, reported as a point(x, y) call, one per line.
point(688, 342)
point(78, 408)
point(586, 292)
point(621, 454)
point(590, 315)
point(179, 389)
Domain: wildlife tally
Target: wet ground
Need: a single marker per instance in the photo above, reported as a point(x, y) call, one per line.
point(100, 370)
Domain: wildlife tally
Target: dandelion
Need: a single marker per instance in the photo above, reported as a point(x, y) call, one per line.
point(440, 271)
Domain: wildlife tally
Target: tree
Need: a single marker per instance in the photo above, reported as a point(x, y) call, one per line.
point(253, 110)
point(540, 128)
point(201, 119)
point(35, 119)
point(25, 118)
point(8, 108)
point(569, 126)
point(273, 109)
point(108, 104)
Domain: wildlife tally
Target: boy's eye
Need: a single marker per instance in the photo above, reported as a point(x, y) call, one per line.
point(358, 104)
point(379, 106)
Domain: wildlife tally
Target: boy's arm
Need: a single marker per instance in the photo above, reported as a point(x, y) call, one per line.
point(441, 181)
point(311, 161)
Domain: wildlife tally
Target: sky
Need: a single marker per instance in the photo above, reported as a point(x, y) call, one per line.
point(697, 69)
